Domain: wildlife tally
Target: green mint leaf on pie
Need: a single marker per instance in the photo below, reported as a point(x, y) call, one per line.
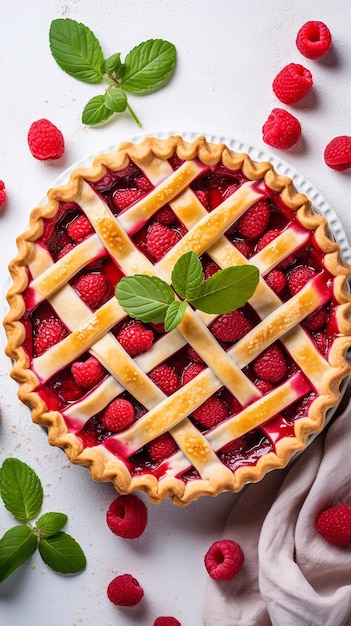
point(96, 111)
point(62, 553)
point(145, 298)
point(188, 276)
point(174, 314)
point(76, 50)
point(20, 489)
point(16, 546)
point(49, 524)
point(148, 66)
point(116, 100)
point(227, 290)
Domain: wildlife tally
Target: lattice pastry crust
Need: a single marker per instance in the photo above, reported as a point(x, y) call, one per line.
point(203, 461)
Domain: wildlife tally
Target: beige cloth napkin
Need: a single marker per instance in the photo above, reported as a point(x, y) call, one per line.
point(291, 576)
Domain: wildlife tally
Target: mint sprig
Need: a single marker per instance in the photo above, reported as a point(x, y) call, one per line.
point(78, 52)
point(22, 494)
point(151, 299)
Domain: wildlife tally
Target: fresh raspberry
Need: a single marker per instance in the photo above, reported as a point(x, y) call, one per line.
point(271, 365)
point(50, 332)
point(166, 621)
point(2, 192)
point(45, 140)
point(292, 83)
point(162, 448)
point(316, 320)
point(334, 524)
point(337, 153)
point(299, 277)
point(119, 415)
point(144, 184)
point(281, 130)
point(211, 412)
point(93, 289)
point(124, 590)
point(80, 228)
point(87, 373)
point(202, 196)
point(160, 239)
point(254, 222)
point(210, 269)
point(191, 371)
point(230, 326)
point(135, 338)
point(276, 280)
point(224, 559)
point(127, 516)
point(123, 198)
point(166, 378)
point(165, 215)
point(313, 39)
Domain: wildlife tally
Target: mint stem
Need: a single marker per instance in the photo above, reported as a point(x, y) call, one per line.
point(135, 118)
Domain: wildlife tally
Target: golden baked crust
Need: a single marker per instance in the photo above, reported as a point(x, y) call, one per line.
point(205, 234)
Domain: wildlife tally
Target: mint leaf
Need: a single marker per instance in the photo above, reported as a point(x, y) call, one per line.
point(145, 298)
point(227, 290)
point(96, 111)
point(116, 100)
point(187, 276)
point(114, 65)
point(20, 489)
point(16, 546)
point(76, 50)
point(148, 66)
point(49, 524)
point(174, 314)
point(62, 553)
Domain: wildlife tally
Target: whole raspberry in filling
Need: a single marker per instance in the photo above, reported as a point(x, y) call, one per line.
point(166, 378)
point(224, 559)
point(271, 365)
point(93, 289)
point(124, 590)
point(254, 222)
point(292, 83)
point(127, 516)
point(231, 326)
point(191, 371)
point(160, 239)
point(50, 332)
point(337, 153)
point(281, 129)
point(276, 280)
point(80, 228)
point(45, 140)
point(211, 412)
point(135, 338)
point(119, 415)
point(334, 524)
point(314, 39)
point(298, 278)
point(123, 198)
point(161, 448)
point(87, 373)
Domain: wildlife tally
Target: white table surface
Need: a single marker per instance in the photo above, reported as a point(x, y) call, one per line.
point(228, 55)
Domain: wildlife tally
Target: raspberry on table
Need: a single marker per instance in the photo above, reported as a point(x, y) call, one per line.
point(292, 83)
point(224, 559)
point(281, 129)
point(50, 332)
point(166, 621)
point(127, 516)
point(160, 239)
point(334, 524)
point(161, 448)
point(254, 222)
point(124, 590)
point(93, 289)
point(211, 412)
point(337, 154)
point(87, 373)
point(2, 192)
point(45, 140)
point(123, 198)
point(271, 365)
point(166, 378)
point(314, 39)
point(118, 415)
point(230, 326)
point(135, 338)
point(80, 228)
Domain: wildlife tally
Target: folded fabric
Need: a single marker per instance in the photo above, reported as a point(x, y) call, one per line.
point(291, 576)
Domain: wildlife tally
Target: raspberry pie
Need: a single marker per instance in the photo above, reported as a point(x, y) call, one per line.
point(221, 399)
